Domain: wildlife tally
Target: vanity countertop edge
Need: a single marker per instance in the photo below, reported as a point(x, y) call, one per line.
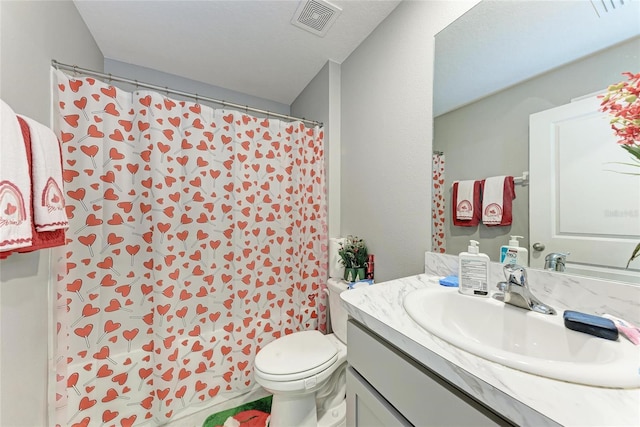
point(523, 398)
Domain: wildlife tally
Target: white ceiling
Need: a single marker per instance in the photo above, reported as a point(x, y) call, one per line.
point(251, 47)
point(501, 43)
point(248, 46)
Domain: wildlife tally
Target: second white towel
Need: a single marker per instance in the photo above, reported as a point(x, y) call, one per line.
point(48, 205)
point(492, 200)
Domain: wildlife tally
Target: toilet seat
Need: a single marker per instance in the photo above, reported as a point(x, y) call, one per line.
point(295, 357)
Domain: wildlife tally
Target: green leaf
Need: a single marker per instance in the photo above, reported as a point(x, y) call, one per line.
point(635, 254)
point(623, 163)
point(636, 165)
point(633, 149)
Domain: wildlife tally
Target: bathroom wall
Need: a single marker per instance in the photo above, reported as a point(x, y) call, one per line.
point(495, 137)
point(386, 132)
point(320, 101)
point(32, 33)
point(158, 78)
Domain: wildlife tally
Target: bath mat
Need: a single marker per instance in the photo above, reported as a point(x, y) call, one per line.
point(252, 414)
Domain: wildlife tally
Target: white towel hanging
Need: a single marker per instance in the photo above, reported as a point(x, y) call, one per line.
point(15, 184)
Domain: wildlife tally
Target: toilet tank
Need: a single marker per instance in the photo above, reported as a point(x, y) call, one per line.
point(337, 312)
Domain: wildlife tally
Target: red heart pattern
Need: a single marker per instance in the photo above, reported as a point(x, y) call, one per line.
point(437, 204)
point(197, 237)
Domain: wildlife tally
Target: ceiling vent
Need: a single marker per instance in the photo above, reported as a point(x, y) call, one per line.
point(315, 16)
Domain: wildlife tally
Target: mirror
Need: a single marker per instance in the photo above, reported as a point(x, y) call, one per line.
point(503, 61)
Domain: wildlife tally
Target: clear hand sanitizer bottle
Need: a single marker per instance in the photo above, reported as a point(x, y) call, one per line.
point(473, 271)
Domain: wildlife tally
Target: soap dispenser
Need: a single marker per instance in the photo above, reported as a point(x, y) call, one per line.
point(473, 271)
point(513, 253)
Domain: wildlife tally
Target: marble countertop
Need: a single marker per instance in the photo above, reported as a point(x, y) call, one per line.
point(523, 398)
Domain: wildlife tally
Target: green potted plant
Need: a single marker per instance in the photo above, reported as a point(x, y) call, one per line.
point(353, 256)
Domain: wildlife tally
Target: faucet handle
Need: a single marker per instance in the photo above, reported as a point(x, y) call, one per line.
point(515, 274)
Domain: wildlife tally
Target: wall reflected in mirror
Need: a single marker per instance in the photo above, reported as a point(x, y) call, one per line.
point(503, 61)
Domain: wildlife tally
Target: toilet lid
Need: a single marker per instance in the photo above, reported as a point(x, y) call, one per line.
point(296, 353)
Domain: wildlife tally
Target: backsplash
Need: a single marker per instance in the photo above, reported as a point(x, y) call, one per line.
point(560, 290)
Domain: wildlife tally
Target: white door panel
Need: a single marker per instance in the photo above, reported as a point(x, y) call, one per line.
point(577, 204)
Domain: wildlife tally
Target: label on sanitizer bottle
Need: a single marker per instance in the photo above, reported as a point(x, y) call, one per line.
point(511, 256)
point(473, 277)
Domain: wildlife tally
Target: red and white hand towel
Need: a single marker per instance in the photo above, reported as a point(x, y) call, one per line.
point(15, 184)
point(466, 205)
point(48, 203)
point(465, 199)
point(497, 200)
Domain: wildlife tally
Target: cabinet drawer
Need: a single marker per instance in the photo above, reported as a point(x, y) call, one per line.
point(417, 393)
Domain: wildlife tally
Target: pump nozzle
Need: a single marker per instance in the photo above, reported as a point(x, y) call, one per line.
point(473, 247)
point(514, 241)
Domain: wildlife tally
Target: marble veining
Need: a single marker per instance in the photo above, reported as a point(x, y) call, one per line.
point(523, 398)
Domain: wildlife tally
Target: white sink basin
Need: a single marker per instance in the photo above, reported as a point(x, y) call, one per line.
point(531, 342)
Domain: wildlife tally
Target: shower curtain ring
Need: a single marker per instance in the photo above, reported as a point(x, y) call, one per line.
point(197, 101)
point(75, 69)
point(166, 90)
point(110, 78)
point(136, 84)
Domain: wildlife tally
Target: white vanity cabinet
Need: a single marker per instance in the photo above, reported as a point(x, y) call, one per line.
point(385, 387)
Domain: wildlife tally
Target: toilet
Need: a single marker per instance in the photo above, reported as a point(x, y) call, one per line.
point(305, 371)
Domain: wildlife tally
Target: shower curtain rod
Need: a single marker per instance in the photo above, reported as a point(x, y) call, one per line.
point(110, 77)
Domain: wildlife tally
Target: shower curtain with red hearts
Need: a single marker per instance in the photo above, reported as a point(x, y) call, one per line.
point(197, 236)
point(437, 203)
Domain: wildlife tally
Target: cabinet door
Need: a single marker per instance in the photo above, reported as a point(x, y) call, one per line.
point(421, 396)
point(365, 406)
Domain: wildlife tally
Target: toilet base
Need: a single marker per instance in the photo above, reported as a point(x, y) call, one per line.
point(335, 417)
point(295, 410)
point(303, 413)
point(325, 407)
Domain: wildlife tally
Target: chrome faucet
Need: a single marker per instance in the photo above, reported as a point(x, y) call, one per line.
point(516, 290)
point(555, 261)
